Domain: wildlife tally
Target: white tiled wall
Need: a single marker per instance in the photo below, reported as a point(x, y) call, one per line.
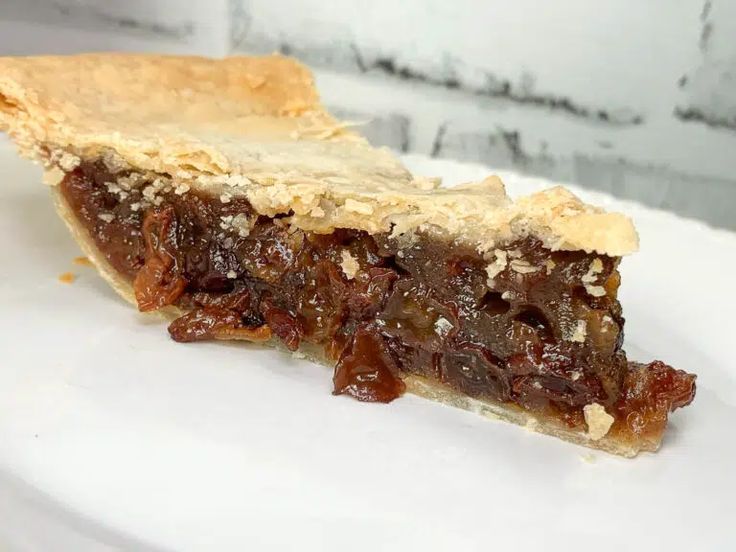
point(69, 26)
point(634, 97)
point(637, 97)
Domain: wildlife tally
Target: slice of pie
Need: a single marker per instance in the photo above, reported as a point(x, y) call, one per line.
point(222, 194)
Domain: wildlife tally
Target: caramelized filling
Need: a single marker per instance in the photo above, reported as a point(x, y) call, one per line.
point(526, 325)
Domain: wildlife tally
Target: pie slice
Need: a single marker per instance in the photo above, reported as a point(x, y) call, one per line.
point(223, 195)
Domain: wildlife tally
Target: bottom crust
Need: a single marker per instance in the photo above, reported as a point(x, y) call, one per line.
point(417, 385)
point(88, 247)
point(507, 412)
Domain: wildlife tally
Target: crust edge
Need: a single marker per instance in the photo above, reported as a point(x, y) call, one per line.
point(254, 127)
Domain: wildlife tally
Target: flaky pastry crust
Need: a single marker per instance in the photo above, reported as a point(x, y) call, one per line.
point(254, 127)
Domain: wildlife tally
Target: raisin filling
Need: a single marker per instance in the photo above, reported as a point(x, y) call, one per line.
point(523, 324)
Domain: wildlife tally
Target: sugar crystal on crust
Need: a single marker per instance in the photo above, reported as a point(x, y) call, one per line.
point(595, 268)
point(579, 332)
point(497, 266)
point(598, 420)
point(349, 264)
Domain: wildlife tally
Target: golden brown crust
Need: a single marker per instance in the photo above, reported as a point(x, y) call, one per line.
point(509, 412)
point(254, 127)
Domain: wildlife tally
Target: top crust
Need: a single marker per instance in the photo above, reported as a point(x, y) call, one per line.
point(254, 127)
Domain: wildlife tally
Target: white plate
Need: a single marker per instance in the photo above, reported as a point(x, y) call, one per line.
point(112, 435)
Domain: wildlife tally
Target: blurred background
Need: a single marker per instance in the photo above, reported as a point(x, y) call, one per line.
point(633, 97)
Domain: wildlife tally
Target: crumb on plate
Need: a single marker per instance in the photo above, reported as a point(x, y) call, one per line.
point(67, 278)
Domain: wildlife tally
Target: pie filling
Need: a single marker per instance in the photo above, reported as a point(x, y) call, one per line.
point(522, 324)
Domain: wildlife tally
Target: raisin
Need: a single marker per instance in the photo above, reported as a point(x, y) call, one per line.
point(239, 300)
point(366, 370)
point(474, 370)
point(202, 324)
point(282, 323)
point(370, 292)
point(415, 316)
point(158, 282)
point(650, 392)
point(322, 301)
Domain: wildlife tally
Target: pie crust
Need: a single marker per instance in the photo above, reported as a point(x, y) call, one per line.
point(252, 129)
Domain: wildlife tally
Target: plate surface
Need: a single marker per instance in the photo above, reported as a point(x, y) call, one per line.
point(113, 436)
